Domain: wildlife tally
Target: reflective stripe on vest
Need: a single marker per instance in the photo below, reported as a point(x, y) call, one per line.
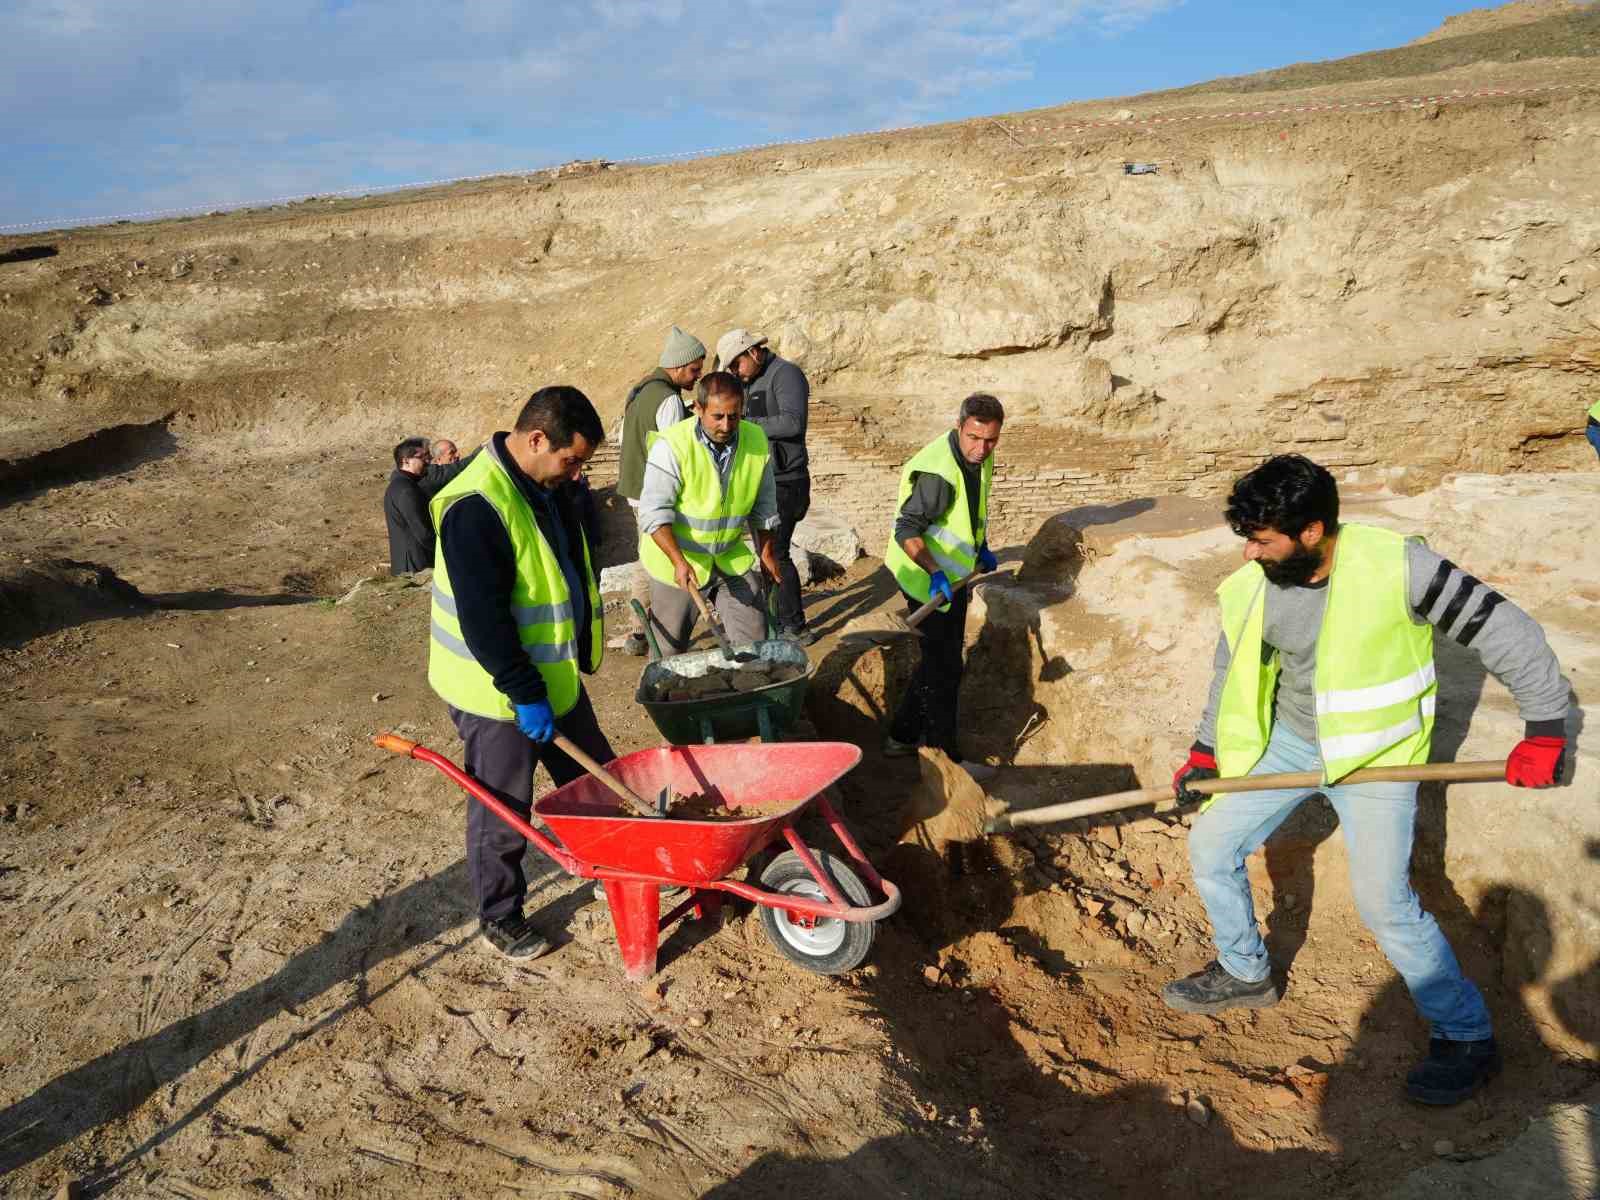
point(1376, 685)
point(540, 603)
point(952, 540)
point(709, 521)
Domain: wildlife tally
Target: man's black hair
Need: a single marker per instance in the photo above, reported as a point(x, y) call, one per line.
point(409, 448)
point(1285, 493)
point(718, 383)
point(561, 413)
point(980, 406)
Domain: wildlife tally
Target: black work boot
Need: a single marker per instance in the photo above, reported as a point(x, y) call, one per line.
point(1212, 990)
point(1453, 1071)
point(514, 937)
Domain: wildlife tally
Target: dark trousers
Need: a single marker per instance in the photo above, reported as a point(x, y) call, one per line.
point(501, 757)
point(928, 711)
point(1590, 431)
point(794, 501)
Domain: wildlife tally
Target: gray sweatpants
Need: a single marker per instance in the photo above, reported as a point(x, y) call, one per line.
point(737, 601)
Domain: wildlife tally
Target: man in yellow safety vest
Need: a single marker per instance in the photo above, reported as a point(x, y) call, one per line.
point(705, 480)
point(516, 622)
point(1325, 664)
point(940, 537)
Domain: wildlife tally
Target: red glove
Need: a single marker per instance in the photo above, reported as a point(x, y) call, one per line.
point(1201, 764)
point(1536, 762)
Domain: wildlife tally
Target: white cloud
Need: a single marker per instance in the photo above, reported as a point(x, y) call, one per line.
point(249, 93)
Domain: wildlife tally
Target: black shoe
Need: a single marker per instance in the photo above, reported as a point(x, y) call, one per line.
point(894, 748)
point(514, 937)
point(1213, 990)
point(1453, 1071)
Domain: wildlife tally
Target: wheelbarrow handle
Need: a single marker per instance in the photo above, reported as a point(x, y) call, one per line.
point(481, 794)
point(394, 743)
point(645, 620)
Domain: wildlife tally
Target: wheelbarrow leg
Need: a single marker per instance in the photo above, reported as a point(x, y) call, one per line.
point(636, 916)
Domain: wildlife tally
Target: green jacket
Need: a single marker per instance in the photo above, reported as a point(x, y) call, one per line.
point(638, 423)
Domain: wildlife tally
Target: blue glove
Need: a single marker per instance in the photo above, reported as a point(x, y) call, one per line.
point(536, 720)
point(939, 588)
point(986, 559)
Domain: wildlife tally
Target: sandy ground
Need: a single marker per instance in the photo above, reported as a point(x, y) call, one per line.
point(242, 958)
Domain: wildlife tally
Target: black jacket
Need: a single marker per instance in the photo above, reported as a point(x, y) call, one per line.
point(478, 554)
point(410, 528)
point(779, 400)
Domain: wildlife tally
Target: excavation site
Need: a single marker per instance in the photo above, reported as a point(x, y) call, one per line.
point(243, 954)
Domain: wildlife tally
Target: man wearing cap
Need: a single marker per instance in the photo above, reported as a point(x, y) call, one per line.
point(777, 397)
point(654, 405)
point(705, 480)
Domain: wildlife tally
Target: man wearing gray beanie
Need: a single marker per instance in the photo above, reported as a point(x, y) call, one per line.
point(654, 404)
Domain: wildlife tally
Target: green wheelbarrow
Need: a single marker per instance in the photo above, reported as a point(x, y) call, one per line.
point(764, 712)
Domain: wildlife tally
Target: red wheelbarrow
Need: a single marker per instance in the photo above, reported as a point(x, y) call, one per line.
point(814, 906)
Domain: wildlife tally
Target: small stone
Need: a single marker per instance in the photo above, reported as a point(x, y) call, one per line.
point(696, 1021)
point(379, 697)
point(930, 976)
point(1408, 1145)
point(1444, 1147)
point(1197, 1112)
point(249, 662)
point(774, 1023)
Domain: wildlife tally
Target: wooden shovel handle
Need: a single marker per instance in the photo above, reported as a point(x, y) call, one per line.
point(917, 617)
point(704, 607)
point(1163, 797)
point(629, 797)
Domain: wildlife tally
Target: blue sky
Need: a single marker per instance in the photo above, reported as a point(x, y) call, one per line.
point(121, 106)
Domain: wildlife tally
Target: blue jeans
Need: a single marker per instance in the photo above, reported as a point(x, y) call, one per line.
point(1592, 432)
point(1377, 821)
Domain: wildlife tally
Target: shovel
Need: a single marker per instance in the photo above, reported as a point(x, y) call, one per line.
point(640, 806)
point(718, 631)
point(1164, 799)
point(907, 626)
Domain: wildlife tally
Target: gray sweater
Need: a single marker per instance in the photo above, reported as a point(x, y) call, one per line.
point(1507, 640)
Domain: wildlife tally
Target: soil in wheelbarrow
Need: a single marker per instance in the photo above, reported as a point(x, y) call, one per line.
point(706, 806)
point(725, 681)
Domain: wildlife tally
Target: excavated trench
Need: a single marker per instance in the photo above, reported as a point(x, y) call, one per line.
point(104, 452)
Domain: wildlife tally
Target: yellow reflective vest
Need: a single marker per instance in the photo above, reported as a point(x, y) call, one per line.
point(540, 603)
point(953, 540)
point(1375, 684)
point(1594, 410)
point(709, 521)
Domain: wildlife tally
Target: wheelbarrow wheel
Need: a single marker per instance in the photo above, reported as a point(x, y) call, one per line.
point(827, 946)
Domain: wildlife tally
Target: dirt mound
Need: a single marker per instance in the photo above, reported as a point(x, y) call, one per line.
point(1501, 17)
point(36, 597)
